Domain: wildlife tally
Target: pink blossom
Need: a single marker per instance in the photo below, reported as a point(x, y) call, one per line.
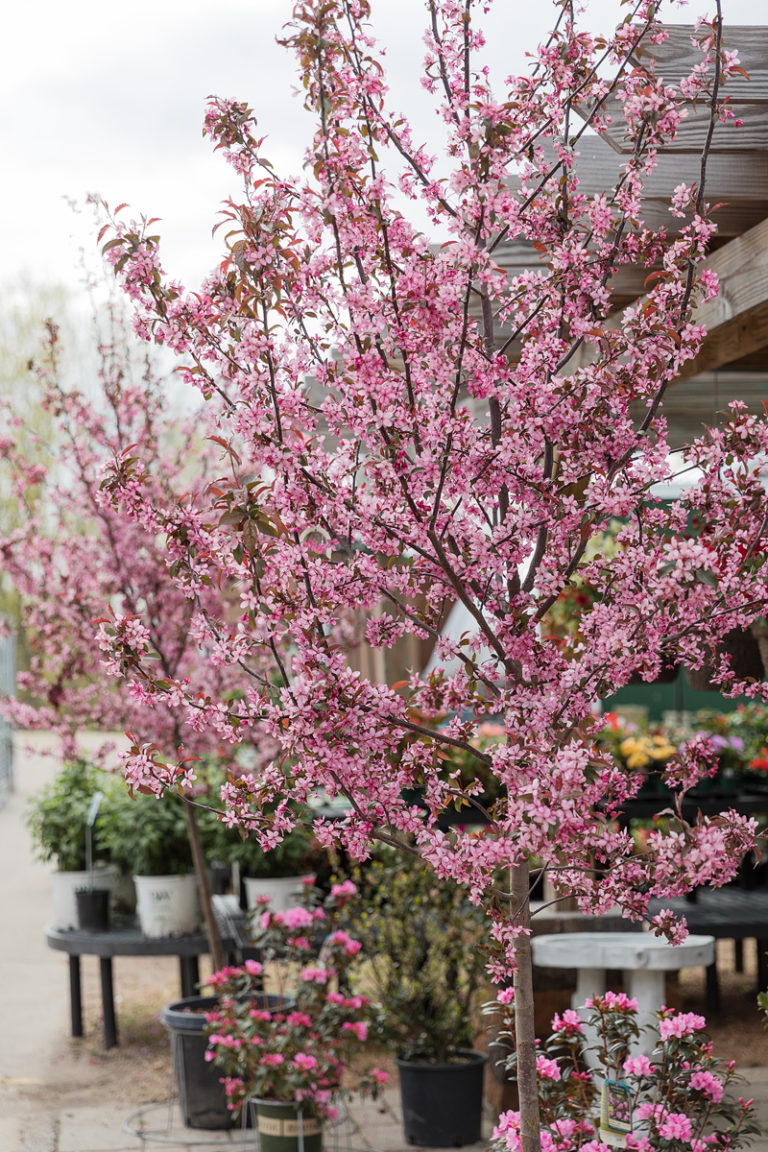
point(342, 939)
point(316, 975)
point(346, 889)
point(707, 1083)
point(677, 1126)
point(548, 1069)
point(638, 1066)
point(680, 1025)
point(297, 918)
point(570, 1022)
point(358, 1027)
point(298, 1020)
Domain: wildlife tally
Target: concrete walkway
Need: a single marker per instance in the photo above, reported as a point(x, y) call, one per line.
point(42, 1104)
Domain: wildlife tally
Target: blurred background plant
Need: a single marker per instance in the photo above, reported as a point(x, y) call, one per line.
point(423, 957)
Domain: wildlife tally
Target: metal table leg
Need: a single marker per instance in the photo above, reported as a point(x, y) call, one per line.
point(75, 996)
point(108, 1002)
point(189, 970)
point(713, 989)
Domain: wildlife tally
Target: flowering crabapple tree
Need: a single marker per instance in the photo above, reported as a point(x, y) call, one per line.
point(71, 557)
point(404, 430)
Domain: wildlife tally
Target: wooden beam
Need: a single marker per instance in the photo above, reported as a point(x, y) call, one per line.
point(748, 95)
point(737, 319)
point(730, 341)
point(739, 180)
point(676, 57)
point(702, 402)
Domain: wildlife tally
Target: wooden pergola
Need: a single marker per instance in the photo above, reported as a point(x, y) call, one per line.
point(733, 361)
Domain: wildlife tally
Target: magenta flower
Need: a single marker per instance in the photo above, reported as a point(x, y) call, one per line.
point(683, 1024)
point(677, 1126)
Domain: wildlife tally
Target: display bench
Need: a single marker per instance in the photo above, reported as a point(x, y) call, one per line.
point(729, 913)
point(124, 941)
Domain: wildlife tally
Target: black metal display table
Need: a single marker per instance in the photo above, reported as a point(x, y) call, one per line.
point(645, 805)
point(729, 913)
point(123, 941)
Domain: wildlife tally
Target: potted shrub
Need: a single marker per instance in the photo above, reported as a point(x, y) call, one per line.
point(676, 1097)
point(56, 817)
point(291, 1064)
point(204, 1103)
point(279, 874)
point(148, 836)
point(423, 960)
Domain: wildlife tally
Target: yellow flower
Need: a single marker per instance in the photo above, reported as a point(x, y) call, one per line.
point(629, 745)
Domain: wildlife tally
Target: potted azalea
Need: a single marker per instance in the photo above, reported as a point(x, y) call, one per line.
point(677, 1097)
point(424, 960)
point(292, 1064)
point(56, 817)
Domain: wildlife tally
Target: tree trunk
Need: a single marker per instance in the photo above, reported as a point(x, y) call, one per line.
point(525, 1036)
point(201, 872)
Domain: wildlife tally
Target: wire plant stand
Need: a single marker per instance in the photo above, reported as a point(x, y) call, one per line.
point(162, 1124)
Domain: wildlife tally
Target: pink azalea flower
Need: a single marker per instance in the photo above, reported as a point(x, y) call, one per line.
point(677, 1126)
point(683, 1024)
point(548, 1069)
point(638, 1066)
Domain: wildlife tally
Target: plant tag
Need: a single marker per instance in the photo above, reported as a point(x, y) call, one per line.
point(615, 1108)
point(93, 810)
point(288, 1126)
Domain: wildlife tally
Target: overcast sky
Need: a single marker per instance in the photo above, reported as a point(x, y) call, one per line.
point(108, 98)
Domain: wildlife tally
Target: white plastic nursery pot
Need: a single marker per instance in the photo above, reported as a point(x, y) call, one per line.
point(63, 888)
point(167, 905)
point(283, 891)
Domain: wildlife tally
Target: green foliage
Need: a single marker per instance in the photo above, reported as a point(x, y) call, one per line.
point(296, 855)
point(147, 835)
point(467, 770)
point(423, 956)
point(56, 816)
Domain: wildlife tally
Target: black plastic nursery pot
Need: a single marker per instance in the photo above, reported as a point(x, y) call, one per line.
point(202, 1097)
point(93, 909)
point(442, 1103)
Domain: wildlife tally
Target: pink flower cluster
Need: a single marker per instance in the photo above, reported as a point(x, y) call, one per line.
point(677, 1095)
point(680, 1025)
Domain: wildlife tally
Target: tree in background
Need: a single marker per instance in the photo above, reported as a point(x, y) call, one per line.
point(25, 309)
point(403, 428)
point(71, 559)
